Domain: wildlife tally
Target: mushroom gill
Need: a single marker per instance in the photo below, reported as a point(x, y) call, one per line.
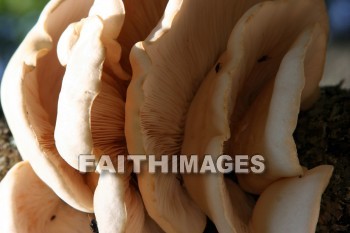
point(140, 19)
point(167, 68)
point(27, 205)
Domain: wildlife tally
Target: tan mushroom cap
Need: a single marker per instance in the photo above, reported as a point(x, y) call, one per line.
point(79, 126)
point(287, 205)
point(111, 214)
point(269, 130)
point(91, 114)
point(32, 83)
point(119, 208)
point(27, 205)
point(30, 89)
point(80, 86)
point(263, 121)
point(82, 80)
point(167, 70)
point(272, 90)
point(292, 204)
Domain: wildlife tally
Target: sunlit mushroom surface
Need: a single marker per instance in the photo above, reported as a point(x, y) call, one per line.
point(158, 77)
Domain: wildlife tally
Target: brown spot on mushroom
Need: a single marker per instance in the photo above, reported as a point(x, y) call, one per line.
point(52, 217)
point(180, 179)
point(263, 58)
point(93, 226)
point(218, 67)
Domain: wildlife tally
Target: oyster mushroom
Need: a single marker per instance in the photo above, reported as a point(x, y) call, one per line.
point(84, 119)
point(250, 105)
point(27, 205)
point(30, 88)
point(84, 79)
point(167, 68)
point(90, 109)
point(90, 115)
point(32, 84)
point(297, 73)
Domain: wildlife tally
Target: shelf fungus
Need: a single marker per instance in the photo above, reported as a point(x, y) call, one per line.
point(158, 77)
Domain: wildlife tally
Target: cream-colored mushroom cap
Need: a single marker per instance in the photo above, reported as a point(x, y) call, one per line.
point(82, 35)
point(280, 74)
point(86, 51)
point(118, 207)
point(27, 205)
point(90, 118)
point(30, 88)
point(292, 204)
point(249, 102)
point(111, 214)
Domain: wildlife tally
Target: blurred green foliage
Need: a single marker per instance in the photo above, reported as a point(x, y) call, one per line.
point(21, 7)
point(17, 17)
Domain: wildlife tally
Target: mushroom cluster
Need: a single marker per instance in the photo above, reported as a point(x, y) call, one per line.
point(163, 77)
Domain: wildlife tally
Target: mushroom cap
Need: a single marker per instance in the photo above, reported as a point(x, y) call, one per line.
point(80, 86)
point(90, 117)
point(292, 204)
point(109, 206)
point(119, 208)
point(262, 120)
point(27, 205)
point(242, 207)
point(272, 117)
point(168, 67)
point(33, 78)
point(30, 88)
point(248, 103)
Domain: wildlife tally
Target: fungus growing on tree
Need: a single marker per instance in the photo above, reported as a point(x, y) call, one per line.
point(204, 78)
